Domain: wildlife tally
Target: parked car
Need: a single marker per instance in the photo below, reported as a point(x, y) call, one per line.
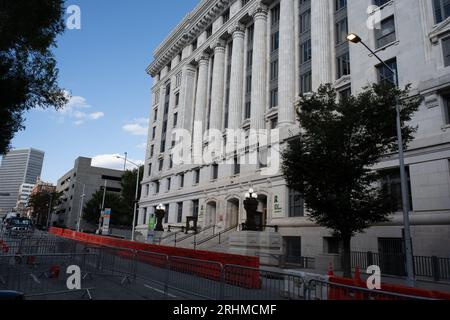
point(19, 226)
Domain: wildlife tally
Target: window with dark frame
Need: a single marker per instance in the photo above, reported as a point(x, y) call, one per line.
point(296, 204)
point(386, 34)
point(391, 185)
point(385, 75)
point(293, 250)
point(441, 10)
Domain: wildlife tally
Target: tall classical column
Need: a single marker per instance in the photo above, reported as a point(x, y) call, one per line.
point(187, 96)
point(201, 103)
point(259, 71)
point(237, 78)
point(286, 63)
point(217, 92)
point(202, 90)
point(321, 42)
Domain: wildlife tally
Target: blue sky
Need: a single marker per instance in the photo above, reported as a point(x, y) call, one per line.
point(103, 66)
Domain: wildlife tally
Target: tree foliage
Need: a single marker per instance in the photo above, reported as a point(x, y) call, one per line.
point(331, 161)
point(40, 203)
point(28, 73)
point(122, 205)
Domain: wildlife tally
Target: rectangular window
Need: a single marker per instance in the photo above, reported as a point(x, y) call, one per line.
point(305, 21)
point(152, 151)
point(343, 65)
point(236, 166)
point(293, 250)
point(248, 110)
point(262, 158)
point(331, 245)
point(155, 115)
point(296, 204)
point(249, 59)
point(387, 76)
point(274, 98)
point(156, 185)
point(441, 10)
point(195, 208)
point(149, 169)
point(161, 164)
point(341, 31)
point(169, 184)
point(386, 34)
point(275, 41)
point(215, 171)
point(182, 180)
point(194, 45)
point(306, 83)
point(154, 133)
point(166, 217)
point(446, 99)
point(274, 123)
point(275, 15)
point(391, 184)
point(177, 99)
point(175, 120)
point(305, 51)
point(248, 86)
point(274, 70)
point(340, 4)
point(446, 50)
point(179, 212)
point(170, 162)
point(197, 176)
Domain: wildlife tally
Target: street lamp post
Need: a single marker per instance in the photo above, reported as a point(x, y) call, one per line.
point(404, 183)
point(81, 208)
point(254, 222)
point(160, 214)
point(137, 195)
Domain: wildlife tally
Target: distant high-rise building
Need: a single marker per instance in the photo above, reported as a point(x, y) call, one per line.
point(18, 167)
point(24, 195)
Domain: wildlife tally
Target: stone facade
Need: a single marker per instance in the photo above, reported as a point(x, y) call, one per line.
point(206, 64)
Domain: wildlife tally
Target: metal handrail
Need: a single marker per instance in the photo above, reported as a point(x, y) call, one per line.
point(195, 234)
point(213, 236)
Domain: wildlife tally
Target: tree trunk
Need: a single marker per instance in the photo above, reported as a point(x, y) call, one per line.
point(346, 257)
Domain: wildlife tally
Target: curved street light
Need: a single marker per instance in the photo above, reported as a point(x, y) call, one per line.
point(354, 38)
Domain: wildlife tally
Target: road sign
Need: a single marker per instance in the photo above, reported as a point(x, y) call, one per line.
point(106, 221)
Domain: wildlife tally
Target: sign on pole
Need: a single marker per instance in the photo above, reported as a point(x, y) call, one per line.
point(106, 221)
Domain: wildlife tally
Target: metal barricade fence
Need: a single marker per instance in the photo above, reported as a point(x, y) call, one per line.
point(198, 278)
point(322, 290)
point(244, 283)
point(41, 274)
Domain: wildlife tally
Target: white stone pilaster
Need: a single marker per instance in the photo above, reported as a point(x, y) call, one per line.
point(320, 43)
point(217, 92)
point(286, 63)
point(202, 90)
point(237, 78)
point(259, 70)
point(187, 96)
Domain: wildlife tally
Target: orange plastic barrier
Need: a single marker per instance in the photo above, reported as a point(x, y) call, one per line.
point(201, 269)
point(343, 294)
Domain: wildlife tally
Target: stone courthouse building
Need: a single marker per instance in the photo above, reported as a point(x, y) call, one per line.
point(242, 64)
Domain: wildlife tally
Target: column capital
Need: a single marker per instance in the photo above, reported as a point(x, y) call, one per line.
point(259, 11)
point(202, 59)
point(237, 30)
point(218, 46)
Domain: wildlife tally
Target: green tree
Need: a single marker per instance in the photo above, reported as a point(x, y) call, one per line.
point(28, 73)
point(331, 161)
point(92, 208)
point(40, 202)
point(129, 189)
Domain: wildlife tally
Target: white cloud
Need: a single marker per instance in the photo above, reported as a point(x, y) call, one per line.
point(76, 110)
point(111, 161)
point(138, 127)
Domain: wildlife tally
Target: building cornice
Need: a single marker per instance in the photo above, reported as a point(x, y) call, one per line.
point(189, 29)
